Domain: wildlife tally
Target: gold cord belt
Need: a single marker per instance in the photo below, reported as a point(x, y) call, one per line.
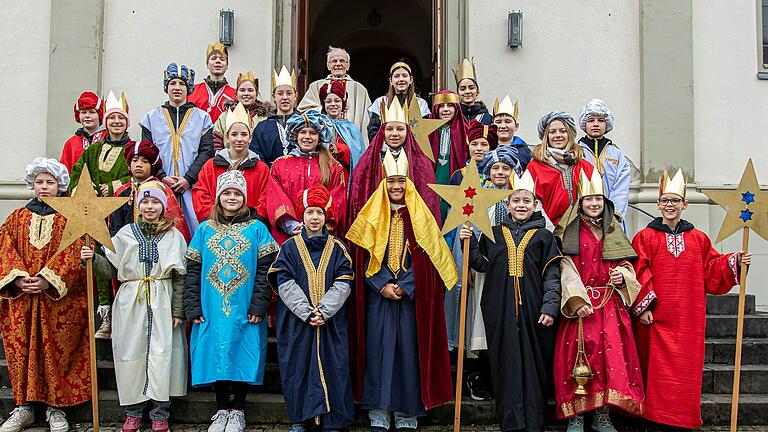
point(144, 287)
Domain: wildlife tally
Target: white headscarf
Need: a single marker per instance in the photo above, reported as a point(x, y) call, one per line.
point(50, 166)
point(597, 108)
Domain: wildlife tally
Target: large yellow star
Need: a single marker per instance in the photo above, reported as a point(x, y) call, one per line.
point(745, 206)
point(85, 213)
point(422, 127)
point(469, 201)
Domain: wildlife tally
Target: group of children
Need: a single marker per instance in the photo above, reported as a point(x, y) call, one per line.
point(345, 236)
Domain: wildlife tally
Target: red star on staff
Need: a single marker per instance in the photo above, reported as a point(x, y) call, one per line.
point(470, 192)
point(469, 209)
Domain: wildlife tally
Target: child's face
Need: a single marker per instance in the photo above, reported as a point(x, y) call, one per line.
point(446, 111)
point(593, 205)
point(314, 219)
point(177, 91)
point(231, 201)
point(401, 79)
point(671, 206)
point(151, 209)
point(217, 64)
point(308, 139)
point(141, 168)
point(468, 91)
point(394, 134)
point(506, 127)
point(396, 189)
point(333, 104)
point(116, 124)
point(478, 148)
point(285, 98)
point(521, 204)
point(500, 173)
point(45, 185)
point(247, 93)
point(89, 118)
point(557, 134)
point(595, 127)
point(239, 137)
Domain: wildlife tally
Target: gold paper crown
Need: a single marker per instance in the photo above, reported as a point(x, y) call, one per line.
point(216, 47)
point(506, 107)
point(466, 70)
point(676, 185)
point(113, 103)
point(524, 182)
point(284, 78)
point(238, 115)
point(394, 112)
point(445, 98)
point(591, 186)
point(248, 76)
point(395, 167)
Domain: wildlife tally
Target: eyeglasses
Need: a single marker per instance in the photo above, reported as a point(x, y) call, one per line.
point(670, 201)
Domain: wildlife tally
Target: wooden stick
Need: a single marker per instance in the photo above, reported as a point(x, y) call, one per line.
point(739, 334)
point(91, 338)
point(462, 323)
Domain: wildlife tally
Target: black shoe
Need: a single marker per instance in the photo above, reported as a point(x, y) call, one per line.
point(478, 390)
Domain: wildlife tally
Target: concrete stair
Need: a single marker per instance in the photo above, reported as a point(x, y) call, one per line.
point(265, 403)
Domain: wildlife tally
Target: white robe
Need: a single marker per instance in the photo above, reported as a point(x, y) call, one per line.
point(163, 371)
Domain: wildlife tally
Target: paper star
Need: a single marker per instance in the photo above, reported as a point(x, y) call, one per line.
point(465, 208)
point(421, 127)
point(86, 213)
point(732, 201)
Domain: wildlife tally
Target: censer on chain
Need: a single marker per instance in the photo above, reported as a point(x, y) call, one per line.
point(582, 372)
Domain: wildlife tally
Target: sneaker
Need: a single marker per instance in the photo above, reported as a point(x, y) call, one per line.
point(160, 426)
point(576, 424)
point(56, 420)
point(105, 330)
point(297, 427)
point(236, 421)
point(20, 418)
point(601, 422)
point(477, 389)
point(219, 421)
point(131, 424)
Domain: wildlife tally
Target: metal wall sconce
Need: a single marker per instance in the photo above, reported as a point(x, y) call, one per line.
point(227, 27)
point(515, 29)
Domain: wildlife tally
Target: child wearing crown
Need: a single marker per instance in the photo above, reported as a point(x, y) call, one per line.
point(469, 90)
point(506, 117)
point(520, 300)
point(596, 362)
point(403, 360)
point(676, 266)
point(212, 94)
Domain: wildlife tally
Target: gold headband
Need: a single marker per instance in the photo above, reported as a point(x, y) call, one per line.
point(445, 98)
point(399, 65)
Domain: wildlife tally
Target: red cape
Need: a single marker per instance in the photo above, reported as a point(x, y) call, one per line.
point(201, 98)
point(204, 191)
point(549, 186)
point(459, 143)
point(75, 146)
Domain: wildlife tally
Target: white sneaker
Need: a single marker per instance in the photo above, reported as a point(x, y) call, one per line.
point(20, 418)
point(236, 422)
point(105, 330)
point(219, 421)
point(56, 419)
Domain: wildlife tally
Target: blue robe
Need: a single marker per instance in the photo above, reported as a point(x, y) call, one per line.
point(269, 138)
point(228, 261)
point(352, 137)
point(314, 361)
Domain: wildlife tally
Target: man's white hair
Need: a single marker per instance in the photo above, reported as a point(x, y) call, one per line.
point(336, 52)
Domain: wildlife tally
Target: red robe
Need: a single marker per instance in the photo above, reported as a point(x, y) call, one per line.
point(677, 271)
point(76, 145)
point(129, 213)
point(256, 174)
point(45, 335)
point(459, 152)
point(550, 186)
point(293, 174)
point(209, 102)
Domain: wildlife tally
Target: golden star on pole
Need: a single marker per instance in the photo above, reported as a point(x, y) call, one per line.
point(469, 201)
point(745, 206)
point(85, 213)
point(422, 127)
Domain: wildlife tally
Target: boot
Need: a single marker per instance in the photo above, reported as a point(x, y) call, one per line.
point(105, 330)
point(576, 424)
point(601, 422)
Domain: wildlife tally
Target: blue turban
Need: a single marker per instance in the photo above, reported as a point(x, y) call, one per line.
point(182, 72)
point(310, 118)
point(556, 115)
point(505, 154)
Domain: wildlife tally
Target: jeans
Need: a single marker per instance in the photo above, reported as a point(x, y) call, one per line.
point(160, 410)
point(380, 418)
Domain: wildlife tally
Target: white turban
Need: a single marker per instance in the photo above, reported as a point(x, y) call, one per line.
point(596, 108)
point(50, 166)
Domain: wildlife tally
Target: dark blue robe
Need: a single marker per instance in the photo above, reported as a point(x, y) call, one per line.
point(266, 141)
point(314, 361)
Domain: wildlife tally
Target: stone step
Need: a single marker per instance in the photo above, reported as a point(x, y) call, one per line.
point(718, 379)
point(728, 304)
point(723, 350)
point(724, 326)
point(197, 407)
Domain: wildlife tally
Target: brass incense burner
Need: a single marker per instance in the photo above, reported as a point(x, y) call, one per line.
point(582, 372)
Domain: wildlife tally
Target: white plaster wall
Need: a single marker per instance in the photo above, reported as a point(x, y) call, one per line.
point(142, 36)
point(573, 51)
point(24, 69)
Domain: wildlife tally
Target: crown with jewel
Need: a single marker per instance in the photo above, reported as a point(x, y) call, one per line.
point(113, 103)
point(395, 112)
point(506, 107)
point(216, 47)
point(590, 185)
point(466, 70)
point(248, 76)
point(238, 115)
point(395, 167)
point(283, 78)
point(675, 185)
point(523, 182)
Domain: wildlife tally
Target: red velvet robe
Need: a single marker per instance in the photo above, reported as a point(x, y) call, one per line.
point(677, 271)
point(204, 191)
point(211, 103)
point(550, 187)
point(459, 152)
point(76, 145)
point(173, 211)
point(293, 174)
